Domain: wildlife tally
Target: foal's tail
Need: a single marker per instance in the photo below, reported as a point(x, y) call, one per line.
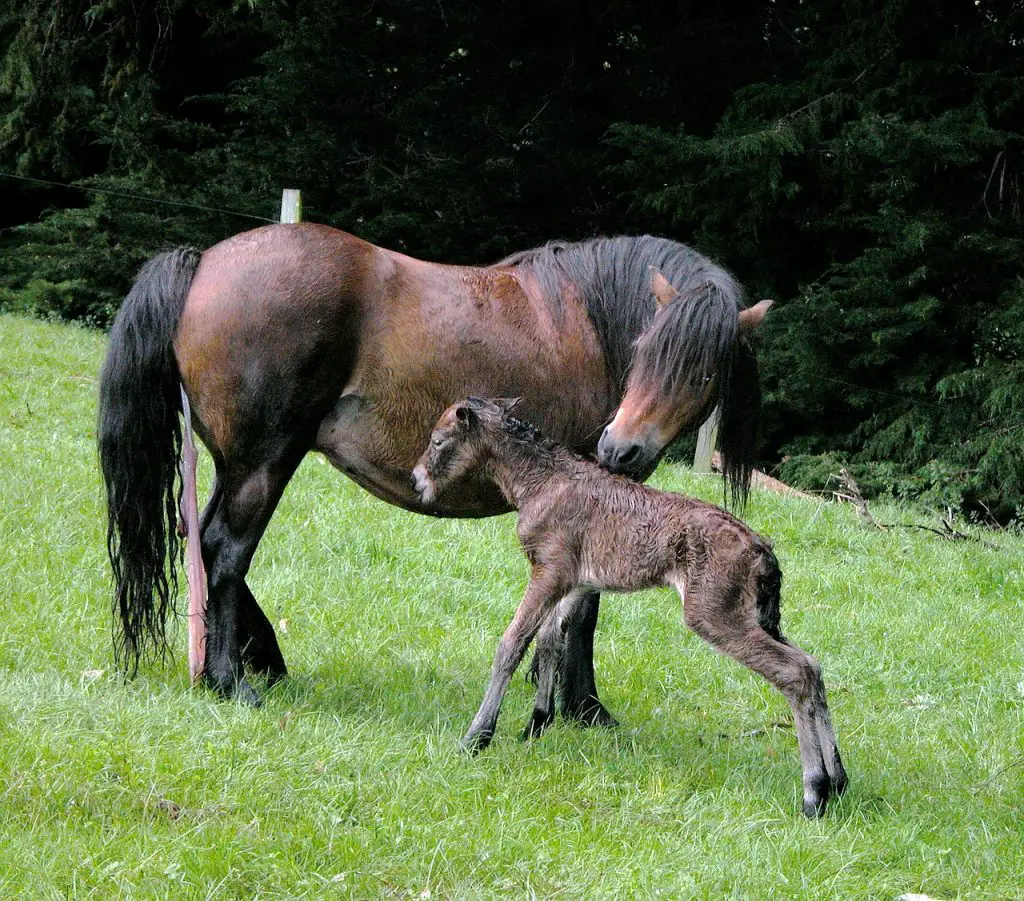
point(769, 593)
point(139, 440)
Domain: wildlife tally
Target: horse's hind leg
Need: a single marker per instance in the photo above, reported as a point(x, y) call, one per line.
point(260, 650)
point(732, 628)
point(249, 496)
point(577, 689)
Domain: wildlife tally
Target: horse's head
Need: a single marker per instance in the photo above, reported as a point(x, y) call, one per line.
point(690, 358)
point(458, 445)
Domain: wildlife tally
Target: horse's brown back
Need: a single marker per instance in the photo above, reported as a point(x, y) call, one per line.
point(370, 345)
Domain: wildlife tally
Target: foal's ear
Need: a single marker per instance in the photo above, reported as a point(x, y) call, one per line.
point(507, 404)
point(662, 288)
point(752, 318)
point(466, 415)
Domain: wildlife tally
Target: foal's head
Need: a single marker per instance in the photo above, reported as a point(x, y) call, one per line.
point(683, 364)
point(459, 443)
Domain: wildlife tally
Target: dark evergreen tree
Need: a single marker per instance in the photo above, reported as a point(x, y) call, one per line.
point(871, 182)
point(859, 161)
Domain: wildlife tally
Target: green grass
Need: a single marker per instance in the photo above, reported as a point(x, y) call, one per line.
point(347, 783)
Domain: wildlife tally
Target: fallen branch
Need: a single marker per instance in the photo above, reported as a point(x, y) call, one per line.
point(854, 497)
point(852, 494)
point(763, 480)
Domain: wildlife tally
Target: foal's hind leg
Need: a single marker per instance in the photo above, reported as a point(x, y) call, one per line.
point(730, 626)
point(260, 650)
point(546, 660)
point(230, 538)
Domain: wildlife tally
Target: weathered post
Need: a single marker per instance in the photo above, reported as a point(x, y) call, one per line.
point(194, 568)
point(707, 437)
point(291, 205)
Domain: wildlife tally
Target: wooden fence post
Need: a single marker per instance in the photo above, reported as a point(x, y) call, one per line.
point(291, 205)
point(194, 568)
point(707, 437)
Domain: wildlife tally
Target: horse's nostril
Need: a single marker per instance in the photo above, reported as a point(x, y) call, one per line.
point(629, 455)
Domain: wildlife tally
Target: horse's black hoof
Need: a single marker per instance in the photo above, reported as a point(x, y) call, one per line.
point(245, 694)
point(267, 663)
point(273, 675)
point(589, 713)
point(814, 810)
point(537, 724)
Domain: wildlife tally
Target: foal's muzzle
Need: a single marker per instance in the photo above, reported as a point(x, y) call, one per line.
point(423, 484)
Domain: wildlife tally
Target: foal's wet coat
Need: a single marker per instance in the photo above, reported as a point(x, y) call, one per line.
point(584, 529)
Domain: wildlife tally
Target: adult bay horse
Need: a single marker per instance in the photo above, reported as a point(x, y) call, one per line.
point(292, 338)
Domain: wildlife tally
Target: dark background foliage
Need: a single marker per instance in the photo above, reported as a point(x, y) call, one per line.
point(858, 161)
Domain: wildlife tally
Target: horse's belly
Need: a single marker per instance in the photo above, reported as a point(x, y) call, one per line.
point(355, 442)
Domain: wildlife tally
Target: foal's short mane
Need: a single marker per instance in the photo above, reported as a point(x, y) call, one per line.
point(696, 337)
point(527, 433)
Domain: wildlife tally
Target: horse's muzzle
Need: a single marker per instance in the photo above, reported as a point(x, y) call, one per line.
point(629, 458)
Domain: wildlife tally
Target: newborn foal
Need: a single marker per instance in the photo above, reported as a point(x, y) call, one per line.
point(580, 526)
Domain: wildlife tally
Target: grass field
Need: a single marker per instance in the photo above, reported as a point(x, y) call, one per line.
point(347, 783)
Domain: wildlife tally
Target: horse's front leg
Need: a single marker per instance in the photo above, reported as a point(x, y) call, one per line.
point(577, 689)
point(542, 595)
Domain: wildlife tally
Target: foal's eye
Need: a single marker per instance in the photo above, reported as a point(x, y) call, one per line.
point(437, 442)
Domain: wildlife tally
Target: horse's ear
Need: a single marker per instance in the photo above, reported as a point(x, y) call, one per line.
point(507, 404)
point(752, 318)
point(662, 288)
point(466, 414)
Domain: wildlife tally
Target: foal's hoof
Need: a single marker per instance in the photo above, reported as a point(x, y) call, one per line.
point(538, 724)
point(816, 797)
point(474, 743)
point(589, 712)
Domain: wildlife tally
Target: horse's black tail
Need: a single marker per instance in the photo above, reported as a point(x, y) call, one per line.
point(769, 594)
point(139, 440)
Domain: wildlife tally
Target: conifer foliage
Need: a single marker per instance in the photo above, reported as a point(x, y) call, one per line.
point(860, 162)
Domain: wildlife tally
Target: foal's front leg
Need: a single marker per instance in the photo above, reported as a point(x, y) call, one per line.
point(542, 595)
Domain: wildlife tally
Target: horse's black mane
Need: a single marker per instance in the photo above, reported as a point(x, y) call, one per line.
point(613, 278)
point(694, 339)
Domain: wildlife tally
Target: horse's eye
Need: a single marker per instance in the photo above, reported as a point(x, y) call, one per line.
point(437, 442)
